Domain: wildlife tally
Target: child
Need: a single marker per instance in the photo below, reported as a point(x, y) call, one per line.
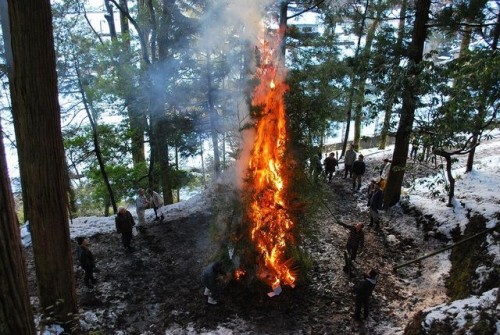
point(87, 261)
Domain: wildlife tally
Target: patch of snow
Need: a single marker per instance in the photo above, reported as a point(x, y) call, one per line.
point(459, 313)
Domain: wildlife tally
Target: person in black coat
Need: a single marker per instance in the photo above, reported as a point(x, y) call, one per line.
point(209, 280)
point(87, 261)
point(124, 224)
point(358, 170)
point(330, 163)
point(375, 204)
point(363, 291)
point(355, 242)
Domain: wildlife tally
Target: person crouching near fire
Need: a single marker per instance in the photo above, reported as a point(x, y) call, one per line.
point(210, 278)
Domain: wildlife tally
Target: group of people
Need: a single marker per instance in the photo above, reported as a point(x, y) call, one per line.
point(125, 224)
point(353, 167)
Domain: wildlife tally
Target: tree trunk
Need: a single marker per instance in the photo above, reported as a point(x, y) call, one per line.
point(410, 93)
point(4, 21)
point(162, 153)
point(348, 116)
point(358, 113)
point(451, 191)
point(213, 117)
point(389, 99)
point(16, 315)
point(283, 27)
point(136, 118)
point(95, 139)
point(496, 35)
point(37, 123)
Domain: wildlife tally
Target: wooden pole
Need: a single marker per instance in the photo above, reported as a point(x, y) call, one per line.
point(444, 249)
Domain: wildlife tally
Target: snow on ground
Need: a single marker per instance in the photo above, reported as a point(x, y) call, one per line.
point(459, 313)
point(92, 225)
point(476, 191)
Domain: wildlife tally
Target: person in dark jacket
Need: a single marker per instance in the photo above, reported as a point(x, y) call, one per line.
point(87, 261)
point(209, 280)
point(124, 224)
point(363, 292)
point(358, 170)
point(355, 242)
point(330, 163)
point(350, 157)
point(375, 205)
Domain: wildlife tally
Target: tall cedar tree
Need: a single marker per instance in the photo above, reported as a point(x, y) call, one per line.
point(41, 156)
point(16, 316)
point(410, 95)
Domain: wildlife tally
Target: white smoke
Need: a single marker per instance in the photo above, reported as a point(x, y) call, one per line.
point(226, 25)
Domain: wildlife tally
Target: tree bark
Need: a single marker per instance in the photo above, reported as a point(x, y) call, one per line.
point(283, 27)
point(389, 99)
point(213, 116)
point(16, 316)
point(158, 97)
point(136, 118)
point(4, 21)
point(41, 156)
point(410, 93)
point(365, 58)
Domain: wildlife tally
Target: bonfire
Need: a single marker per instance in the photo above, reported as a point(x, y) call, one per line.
point(270, 223)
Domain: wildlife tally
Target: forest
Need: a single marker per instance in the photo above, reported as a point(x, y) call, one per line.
point(234, 100)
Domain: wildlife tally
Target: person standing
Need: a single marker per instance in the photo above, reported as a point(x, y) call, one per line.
point(156, 201)
point(350, 157)
point(330, 163)
point(384, 172)
point(355, 242)
point(316, 166)
point(363, 293)
point(141, 203)
point(358, 170)
point(414, 148)
point(124, 224)
point(87, 261)
point(375, 204)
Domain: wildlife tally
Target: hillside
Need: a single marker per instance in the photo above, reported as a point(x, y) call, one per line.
point(157, 290)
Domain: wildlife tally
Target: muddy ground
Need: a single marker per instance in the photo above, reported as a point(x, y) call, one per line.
point(156, 289)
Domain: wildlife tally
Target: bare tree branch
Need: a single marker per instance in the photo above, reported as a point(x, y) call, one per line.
point(306, 10)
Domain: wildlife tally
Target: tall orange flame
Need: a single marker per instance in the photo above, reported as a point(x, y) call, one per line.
point(271, 223)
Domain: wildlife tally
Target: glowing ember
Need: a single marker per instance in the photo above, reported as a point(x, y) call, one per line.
point(271, 224)
point(239, 273)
